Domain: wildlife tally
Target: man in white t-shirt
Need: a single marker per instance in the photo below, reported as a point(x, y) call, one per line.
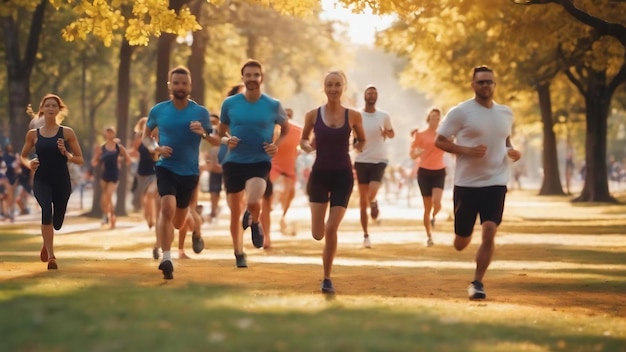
point(478, 132)
point(370, 164)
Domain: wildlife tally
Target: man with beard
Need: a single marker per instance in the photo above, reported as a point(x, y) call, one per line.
point(182, 124)
point(250, 117)
point(481, 130)
point(370, 164)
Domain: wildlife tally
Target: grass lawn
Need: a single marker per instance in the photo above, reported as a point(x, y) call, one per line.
point(557, 283)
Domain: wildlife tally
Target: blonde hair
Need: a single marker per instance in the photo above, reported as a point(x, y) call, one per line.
point(140, 125)
point(63, 110)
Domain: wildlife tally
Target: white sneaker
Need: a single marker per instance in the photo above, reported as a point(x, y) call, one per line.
point(367, 243)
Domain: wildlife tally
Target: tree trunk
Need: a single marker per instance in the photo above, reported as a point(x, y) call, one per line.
point(19, 71)
point(551, 183)
point(163, 67)
point(597, 104)
point(196, 59)
point(123, 103)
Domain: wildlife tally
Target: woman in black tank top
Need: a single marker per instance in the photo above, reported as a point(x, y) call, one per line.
point(54, 145)
point(331, 180)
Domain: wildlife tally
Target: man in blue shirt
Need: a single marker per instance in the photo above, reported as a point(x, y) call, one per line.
point(182, 124)
point(250, 118)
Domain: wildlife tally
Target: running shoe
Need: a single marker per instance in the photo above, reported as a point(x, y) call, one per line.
point(327, 286)
point(197, 243)
point(476, 291)
point(155, 253)
point(374, 212)
point(240, 259)
point(167, 268)
point(245, 220)
point(429, 242)
point(257, 234)
point(52, 264)
point(366, 242)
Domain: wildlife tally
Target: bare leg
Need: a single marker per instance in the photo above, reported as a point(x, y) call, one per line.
point(234, 203)
point(330, 245)
point(486, 249)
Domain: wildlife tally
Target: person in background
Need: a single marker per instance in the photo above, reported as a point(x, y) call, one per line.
point(431, 174)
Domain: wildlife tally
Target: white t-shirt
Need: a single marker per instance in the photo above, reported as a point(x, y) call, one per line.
point(472, 124)
point(374, 150)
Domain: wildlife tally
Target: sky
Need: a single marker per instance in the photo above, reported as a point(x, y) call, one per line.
point(361, 27)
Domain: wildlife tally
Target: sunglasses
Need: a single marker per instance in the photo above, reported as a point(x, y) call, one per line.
point(486, 81)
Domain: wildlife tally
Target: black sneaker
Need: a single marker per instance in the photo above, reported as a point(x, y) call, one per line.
point(245, 220)
point(167, 268)
point(374, 211)
point(155, 253)
point(197, 243)
point(327, 286)
point(240, 259)
point(476, 291)
point(257, 234)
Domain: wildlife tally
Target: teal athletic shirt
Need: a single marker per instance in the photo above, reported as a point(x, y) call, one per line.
point(253, 123)
point(174, 132)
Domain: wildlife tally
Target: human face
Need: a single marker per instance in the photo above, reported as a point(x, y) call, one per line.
point(50, 107)
point(484, 84)
point(180, 86)
point(333, 86)
point(433, 118)
point(252, 78)
point(371, 96)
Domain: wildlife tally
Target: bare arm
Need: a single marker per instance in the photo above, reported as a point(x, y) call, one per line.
point(69, 137)
point(125, 154)
point(305, 140)
point(447, 145)
point(356, 122)
point(29, 143)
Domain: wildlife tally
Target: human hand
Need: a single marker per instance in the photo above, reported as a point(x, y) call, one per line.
point(478, 151)
point(164, 151)
point(233, 141)
point(196, 127)
point(513, 154)
point(270, 148)
point(33, 164)
point(61, 146)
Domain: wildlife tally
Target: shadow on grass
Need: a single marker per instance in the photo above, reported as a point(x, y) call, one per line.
point(124, 316)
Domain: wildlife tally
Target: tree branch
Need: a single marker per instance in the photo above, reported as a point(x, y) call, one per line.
point(619, 78)
point(575, 81)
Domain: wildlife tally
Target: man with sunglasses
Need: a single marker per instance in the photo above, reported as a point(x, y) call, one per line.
point(478, 132)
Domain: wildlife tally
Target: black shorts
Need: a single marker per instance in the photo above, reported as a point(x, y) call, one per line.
point(215, 182)
point(269, 189)
point(236, 174)
point(488, 202)
point(369, 172)
point(335, 186)
point(429, 179)
point(171, 184)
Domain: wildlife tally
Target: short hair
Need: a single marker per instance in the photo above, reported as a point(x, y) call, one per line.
point(481, 68)
point(251, 63)
point(179, 70)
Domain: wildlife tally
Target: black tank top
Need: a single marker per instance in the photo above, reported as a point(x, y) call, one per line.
point(332, 144)
point(146, 163)
point(51, 162)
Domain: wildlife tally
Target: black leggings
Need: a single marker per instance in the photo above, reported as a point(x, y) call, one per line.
point(52, 194)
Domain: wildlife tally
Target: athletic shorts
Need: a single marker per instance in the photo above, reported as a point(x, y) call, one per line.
point(171, 184)
point(369, 172)
point(429, 179)
point(236, 174)
point(335, 186)
point(215, 182)
point(488, 202)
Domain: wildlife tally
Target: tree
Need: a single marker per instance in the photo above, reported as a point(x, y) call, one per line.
point(596, 78)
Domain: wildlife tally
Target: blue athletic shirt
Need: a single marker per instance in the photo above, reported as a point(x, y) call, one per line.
point(174, 132)
point(253, 123)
